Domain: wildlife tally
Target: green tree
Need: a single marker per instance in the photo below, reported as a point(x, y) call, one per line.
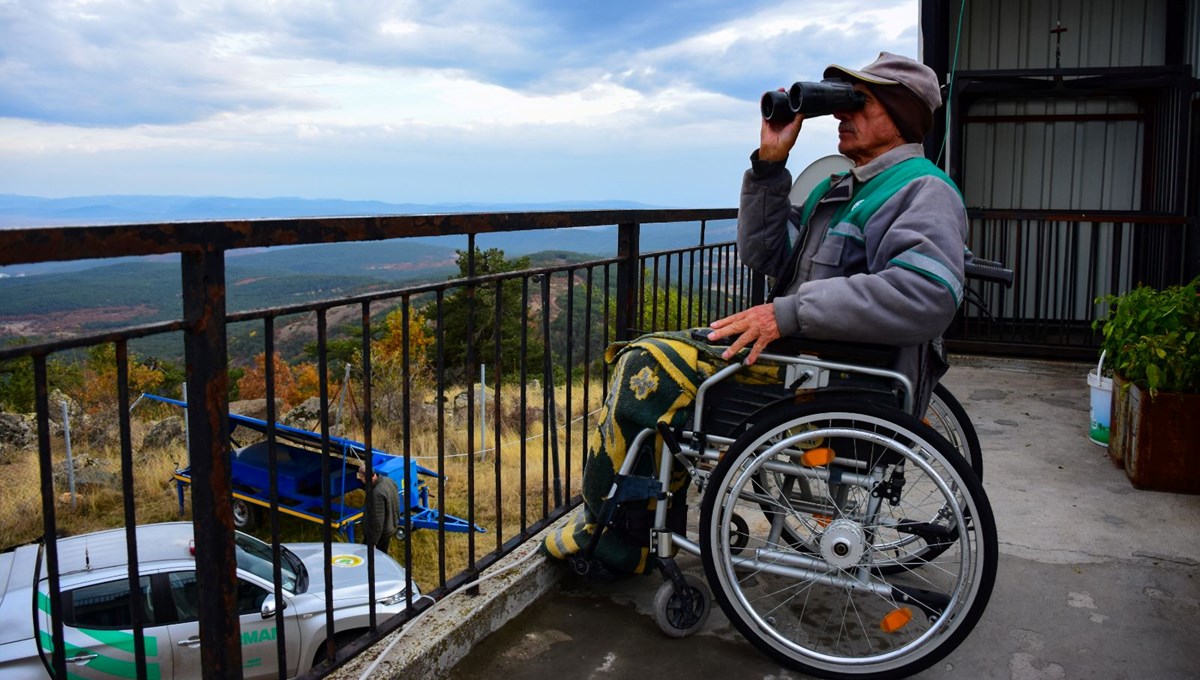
point(665, 307)
point(16, 385)
point(485, 323)
point(587, 337)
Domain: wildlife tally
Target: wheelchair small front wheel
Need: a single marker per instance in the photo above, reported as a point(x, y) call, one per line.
point(681, 612)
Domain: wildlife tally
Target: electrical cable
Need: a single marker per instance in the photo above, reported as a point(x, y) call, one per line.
point(962, 10)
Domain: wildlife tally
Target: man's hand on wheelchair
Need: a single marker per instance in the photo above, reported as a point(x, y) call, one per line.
point(755, 328)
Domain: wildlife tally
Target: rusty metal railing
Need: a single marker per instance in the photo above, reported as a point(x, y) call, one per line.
point(568, 312)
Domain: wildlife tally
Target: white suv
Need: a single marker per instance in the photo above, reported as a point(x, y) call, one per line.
point(96, 603)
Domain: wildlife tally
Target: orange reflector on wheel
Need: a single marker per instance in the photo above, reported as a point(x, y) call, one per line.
point(822, 520)
point(896, 619)
point(819, 457)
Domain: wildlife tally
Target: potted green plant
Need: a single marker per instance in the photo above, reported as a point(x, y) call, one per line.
point(1152, 344)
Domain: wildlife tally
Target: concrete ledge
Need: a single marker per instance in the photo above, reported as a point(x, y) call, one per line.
point(431, 645)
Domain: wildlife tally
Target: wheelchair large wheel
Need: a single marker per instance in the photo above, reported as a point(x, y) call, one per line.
point(950, 419)
point(849, 601)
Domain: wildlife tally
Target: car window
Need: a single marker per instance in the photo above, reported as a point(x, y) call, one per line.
point(185, 593)
point(256, 557)
point(107, 605)
point(250, 598)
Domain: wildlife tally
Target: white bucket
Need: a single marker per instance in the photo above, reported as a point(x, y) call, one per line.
point(1101, 388)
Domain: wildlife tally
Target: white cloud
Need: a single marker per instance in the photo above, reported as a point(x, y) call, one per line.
point(361, 100)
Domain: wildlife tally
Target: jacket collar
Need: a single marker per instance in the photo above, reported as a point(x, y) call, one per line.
point(865, 173)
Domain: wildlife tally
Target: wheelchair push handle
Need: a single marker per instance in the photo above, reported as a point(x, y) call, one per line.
point(988, 270)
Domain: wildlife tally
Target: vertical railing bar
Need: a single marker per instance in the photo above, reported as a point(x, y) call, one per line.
point(587, 368)
point(551, 447)
point(326, 482)
point(273, 490)
point(570, 380)
point(628, 278)
point(547, 385)
point(136, 597)
point(207, 369)
point(676, 284)
point(654, 297)
point(709, 289)
point(497, 371)
point(691, 285)
point(524, 426)
point(604, 337)
point(58, 656)
point(440, 374)
point(368, 461)
point(469, 370)
point(667, 325)
point(410, 487)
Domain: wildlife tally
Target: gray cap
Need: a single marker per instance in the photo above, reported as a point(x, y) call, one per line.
point(893, 69)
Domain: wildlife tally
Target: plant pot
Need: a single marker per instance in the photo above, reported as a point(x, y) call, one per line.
point(1156, 439)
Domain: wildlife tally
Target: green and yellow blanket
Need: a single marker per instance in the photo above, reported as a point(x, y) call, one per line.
point(654, 381)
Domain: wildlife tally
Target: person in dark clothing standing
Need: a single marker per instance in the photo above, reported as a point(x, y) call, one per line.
point(383, 510)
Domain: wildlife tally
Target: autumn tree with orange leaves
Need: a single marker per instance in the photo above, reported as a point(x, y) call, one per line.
point(293, 384)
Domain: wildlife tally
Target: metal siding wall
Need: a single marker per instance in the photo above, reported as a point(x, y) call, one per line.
point(1064, 165)
point(1015, 34)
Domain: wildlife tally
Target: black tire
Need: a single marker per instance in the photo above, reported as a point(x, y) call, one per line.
point(947, 416)
point(679, 614)
point(792, 602)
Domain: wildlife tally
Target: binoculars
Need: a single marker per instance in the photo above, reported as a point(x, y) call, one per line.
point(811, 99)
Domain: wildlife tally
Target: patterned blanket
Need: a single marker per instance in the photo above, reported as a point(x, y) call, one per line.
point(654, 381)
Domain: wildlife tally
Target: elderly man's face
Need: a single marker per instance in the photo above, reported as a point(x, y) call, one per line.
point(868, 132)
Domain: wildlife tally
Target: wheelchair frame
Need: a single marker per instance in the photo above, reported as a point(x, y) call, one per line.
point(822, 546)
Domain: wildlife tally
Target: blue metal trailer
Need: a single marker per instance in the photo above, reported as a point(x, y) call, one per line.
point(298, 479)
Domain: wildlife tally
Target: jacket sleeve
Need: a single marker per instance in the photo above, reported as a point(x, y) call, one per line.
point(914, 282)
point(764, 214)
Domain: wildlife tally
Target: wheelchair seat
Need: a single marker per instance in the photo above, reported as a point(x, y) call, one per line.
point(861, 353)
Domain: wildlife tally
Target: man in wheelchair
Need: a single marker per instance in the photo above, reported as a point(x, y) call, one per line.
point(874, 255)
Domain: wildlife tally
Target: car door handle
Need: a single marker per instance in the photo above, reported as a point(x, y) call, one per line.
point(193, 641)
point(81, 659)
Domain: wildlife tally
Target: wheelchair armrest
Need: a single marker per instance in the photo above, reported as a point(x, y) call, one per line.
point(868, 354)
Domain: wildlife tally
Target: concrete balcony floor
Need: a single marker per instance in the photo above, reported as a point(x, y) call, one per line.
point(1096, 578)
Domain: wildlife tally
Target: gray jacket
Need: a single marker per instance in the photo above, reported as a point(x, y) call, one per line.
point(893, 276)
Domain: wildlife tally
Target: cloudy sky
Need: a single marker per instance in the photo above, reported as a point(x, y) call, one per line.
point(415, 101)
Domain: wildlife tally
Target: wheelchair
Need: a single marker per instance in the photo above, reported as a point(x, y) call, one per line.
point(842, 535)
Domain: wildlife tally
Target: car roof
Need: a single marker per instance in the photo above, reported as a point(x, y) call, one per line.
point(107, 549)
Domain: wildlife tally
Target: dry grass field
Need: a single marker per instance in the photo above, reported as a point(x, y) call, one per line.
point(503, 513)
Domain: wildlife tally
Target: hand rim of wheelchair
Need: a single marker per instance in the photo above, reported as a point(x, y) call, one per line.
point(976, 562)
point(965, 442)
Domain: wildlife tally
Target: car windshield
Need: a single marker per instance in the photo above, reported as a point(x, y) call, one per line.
point(255, 557)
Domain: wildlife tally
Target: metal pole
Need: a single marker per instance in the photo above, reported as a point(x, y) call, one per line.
point(482, 411)
point(337, 424)
point(187, 431)
point(70, 458)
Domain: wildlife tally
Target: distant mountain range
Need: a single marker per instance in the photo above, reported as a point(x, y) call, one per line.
point(32, 211)
point(36, 211)
point(67, 297)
